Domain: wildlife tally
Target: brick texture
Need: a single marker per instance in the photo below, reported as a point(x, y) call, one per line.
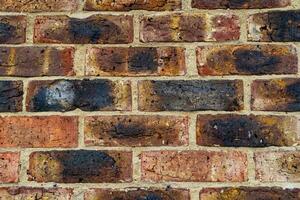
point(9, 167)
point(149, 99)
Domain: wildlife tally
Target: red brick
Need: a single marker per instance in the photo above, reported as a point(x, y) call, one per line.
point(43, 61)
point(233, 4)
point(276, 95)
point(136, 130)
point(9, 167)
point(80, 166)
point(249, 193)
point(96, 29)
point(275, 166)
point(35, 193)
point(181, 27)
point(12, 29)
point(247, 130)
point(190, 95)
point(126, 5)
point(88, 95)
point(38, 6)
point(138, 193)
point(135, 61)
point(194, 166)
point(247, 60)
point(11, 96)
point(275, 26)
point(50, 131)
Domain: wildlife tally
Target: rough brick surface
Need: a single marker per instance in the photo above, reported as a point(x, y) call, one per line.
point(247, 60)
point(80, 166)
point(276, 26)
point(38, 6)
point(237, 4)
point(96, 29)
point(275, 166)
point(9, 167)
point(247, 131)
point(249, 193)
point(12, 29)
point(87, 95)
point(35, 193)
point(136, 61)
point(133, 193)
point(51, 131)
point(36, 61)
point(190, 95)
point(276, 95)
point(193, 166)
point(136, 130)
point(112, 5)
point(11, 96)
point(189, 28)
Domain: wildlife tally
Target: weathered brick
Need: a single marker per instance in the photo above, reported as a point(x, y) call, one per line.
point(249, 193)
point(12, 29)
point(20, 193)
point(135, 61)
point(9, 167)
point(247, 60)
point(276, 95)
point(277, 166)
point(192, 95)
point(239, 4)
point(126, 5)
point(38, 6)
point(247, 130)
point(136, 130)
point(11, 96)
point(276, 26)
point(96, 29)
point(138, 193)
point(51, 131)
point(87, 95)
point(181, 27)
point(194, 166)
point(80, 166)
point(36, 61)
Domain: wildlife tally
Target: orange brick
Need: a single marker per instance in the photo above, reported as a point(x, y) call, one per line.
point(9, 167)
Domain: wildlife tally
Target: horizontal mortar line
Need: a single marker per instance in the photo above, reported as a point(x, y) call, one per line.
point(160, 113)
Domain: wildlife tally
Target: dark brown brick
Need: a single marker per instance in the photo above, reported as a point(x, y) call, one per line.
point(239, 4)
point(43, 132)
point(12, 29)
point(96, 29)
point(126, 5)
point(38, 5)
point(18, 193)
point(136, 130)
point(11, 96)
point(247, 60)
point(80, 166)
point(135, 61)
point(276, 95)
point(192, 95)
point(249, 193)
point(247, 130)
point(277, 166)
point(87, 95)
point(138, 194)
point(276, 26)
point(194, 166)
point(181, 27)
point(36, 61)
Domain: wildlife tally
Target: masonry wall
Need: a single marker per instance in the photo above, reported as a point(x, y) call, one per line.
point(149, 100)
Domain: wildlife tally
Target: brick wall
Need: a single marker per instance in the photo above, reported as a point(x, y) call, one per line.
point(149, 99)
